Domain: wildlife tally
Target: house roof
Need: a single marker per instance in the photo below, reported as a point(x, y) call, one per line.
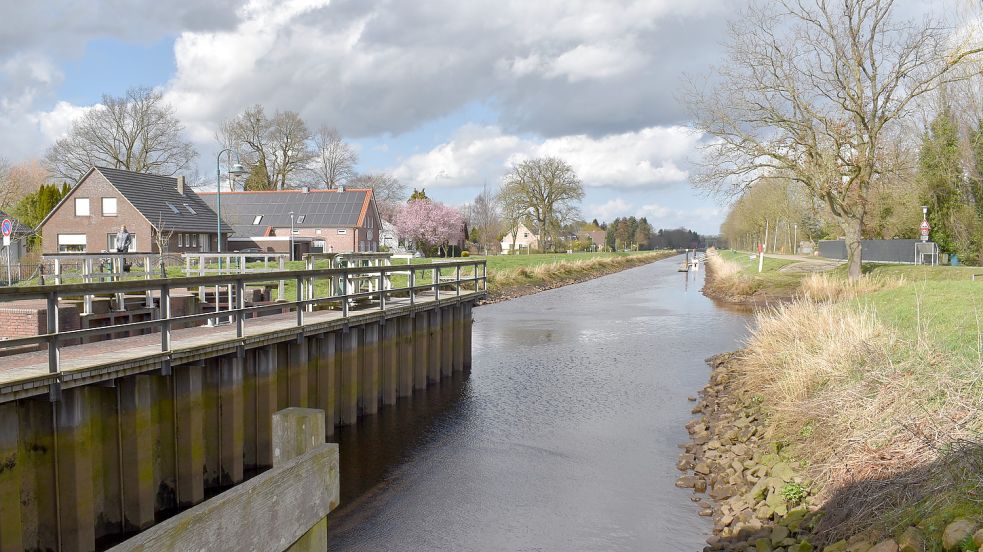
point(18, 227)
point(157, 199)
point(312, 209)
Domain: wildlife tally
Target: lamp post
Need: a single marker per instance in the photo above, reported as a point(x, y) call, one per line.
point(795, 241)
point(235, 171)
point(291, 235)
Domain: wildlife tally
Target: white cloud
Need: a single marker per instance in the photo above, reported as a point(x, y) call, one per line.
point(649, 158)
point(56, 123)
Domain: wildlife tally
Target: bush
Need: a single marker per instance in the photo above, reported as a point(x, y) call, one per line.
point(465, 253)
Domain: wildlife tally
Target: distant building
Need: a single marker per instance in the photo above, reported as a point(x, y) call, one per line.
point(596, 237)
point(153, 208)
point(335, 220)
point(524, 240)
point(18, 243)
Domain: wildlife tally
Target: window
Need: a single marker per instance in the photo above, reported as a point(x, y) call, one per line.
point(361, 245)
point(190, 210)
point(173, 208)
point(111, 242)
point(258, 219)
point(317, 232)
point(71, 243)
point(342, 231)
point(109, 206)
point(301, 218)
point(180, 240)
point(82, 207)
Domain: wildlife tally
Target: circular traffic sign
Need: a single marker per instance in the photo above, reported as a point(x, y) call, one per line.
point(7, 227)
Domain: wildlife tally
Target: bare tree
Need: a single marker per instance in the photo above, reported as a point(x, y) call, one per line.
point(816, 92)
point(277, 149)
point(334, 159)
point(512, 205)
point(8, 193)
point(548, 188)
point(388, 190)
point(485, 219)
point(137, 132)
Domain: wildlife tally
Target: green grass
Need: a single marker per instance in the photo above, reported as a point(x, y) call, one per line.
point(948, 314)
point(769, 278)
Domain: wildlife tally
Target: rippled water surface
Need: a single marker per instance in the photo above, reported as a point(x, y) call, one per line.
point(563, 437)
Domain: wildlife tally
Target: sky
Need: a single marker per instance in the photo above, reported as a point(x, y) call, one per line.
point(443, 94)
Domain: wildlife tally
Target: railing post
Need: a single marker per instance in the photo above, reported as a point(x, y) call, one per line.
point(412, 285)
point(281, 291)
point(240, 304)
point(52, 312)
point(484, 275)
point(344, 294)
point(165, 315)
point(300, 297)
point(382, 290)
point(457, 278)
point(436, 284)
point(148, 296)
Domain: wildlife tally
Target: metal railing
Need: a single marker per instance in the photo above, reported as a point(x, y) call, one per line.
point(470, 272)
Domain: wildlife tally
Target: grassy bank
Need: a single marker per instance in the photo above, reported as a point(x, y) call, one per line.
point(870, 391)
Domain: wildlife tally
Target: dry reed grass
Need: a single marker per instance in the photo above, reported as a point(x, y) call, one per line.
point(823, 287)
point(875, 418)
point(725, 277)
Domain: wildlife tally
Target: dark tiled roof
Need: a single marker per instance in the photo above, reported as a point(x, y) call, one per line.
point(18, 227)
point(157, 199)
point(319, 209)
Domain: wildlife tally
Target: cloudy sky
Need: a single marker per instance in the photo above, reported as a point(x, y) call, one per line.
point(444, 94)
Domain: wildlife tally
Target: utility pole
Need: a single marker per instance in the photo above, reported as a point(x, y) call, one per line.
point(761, 249)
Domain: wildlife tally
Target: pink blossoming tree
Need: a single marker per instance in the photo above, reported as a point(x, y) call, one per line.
point(429, 224)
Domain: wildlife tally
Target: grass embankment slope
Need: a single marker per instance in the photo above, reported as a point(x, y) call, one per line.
point(872, 391)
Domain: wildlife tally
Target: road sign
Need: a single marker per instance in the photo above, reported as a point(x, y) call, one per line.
point(7, 227)
point(924, 228)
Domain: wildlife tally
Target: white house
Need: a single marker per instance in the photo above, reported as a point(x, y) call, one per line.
point(524, 240)
point(389, 237)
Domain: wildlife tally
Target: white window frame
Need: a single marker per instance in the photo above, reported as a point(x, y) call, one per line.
point(107, 212)
point(79, 202)
point(342, 231)
point(257, 219)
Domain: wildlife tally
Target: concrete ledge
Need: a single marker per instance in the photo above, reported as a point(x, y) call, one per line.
point(269, 512)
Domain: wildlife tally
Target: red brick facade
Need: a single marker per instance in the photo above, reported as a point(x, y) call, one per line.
point(97, 226)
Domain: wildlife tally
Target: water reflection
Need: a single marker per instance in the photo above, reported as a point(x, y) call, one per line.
point(564, 436)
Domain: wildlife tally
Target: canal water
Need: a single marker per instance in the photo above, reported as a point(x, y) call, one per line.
point(563, 437)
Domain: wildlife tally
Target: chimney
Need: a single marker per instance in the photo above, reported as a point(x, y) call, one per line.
point(180, 185)
point(341, 187)
point(305, 189)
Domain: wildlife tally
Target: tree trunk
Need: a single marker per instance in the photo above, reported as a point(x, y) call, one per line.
point(854, 255)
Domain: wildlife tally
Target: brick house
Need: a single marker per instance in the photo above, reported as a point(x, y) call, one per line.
point(150, 206)
point(596, 237)
point(336, 220)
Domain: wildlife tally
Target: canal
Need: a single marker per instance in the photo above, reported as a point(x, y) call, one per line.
point(563, 437)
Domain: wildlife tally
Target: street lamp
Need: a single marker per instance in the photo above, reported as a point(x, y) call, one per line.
point(291, 235)
point(795, 241)
point(234, 172)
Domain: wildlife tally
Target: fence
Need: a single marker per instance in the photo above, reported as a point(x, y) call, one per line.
point(306, 301)
point(874, 251)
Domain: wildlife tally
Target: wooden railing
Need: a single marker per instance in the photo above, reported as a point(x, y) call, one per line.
point(422, 278)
